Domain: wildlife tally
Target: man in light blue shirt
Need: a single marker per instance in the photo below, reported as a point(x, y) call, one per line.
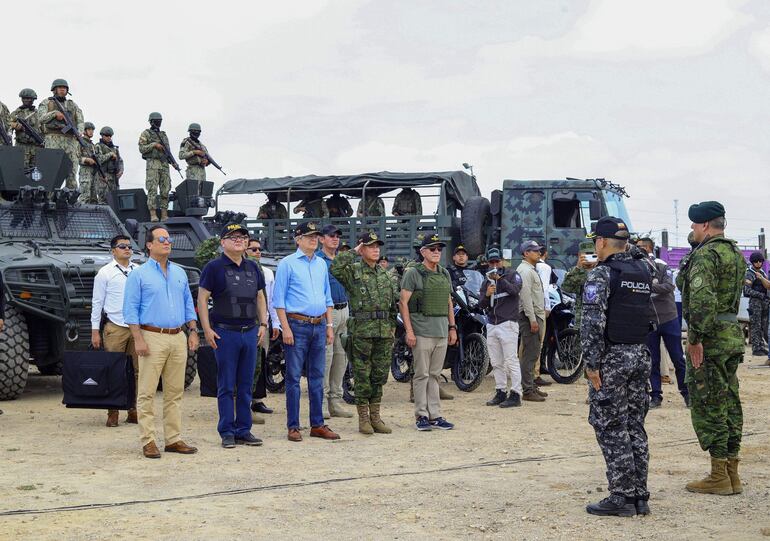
point(303, 301)
point(156, 304)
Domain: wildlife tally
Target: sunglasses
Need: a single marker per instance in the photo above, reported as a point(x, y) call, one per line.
point(254, 250)
point(434, 249)
point(122, 246)
point(163, 240)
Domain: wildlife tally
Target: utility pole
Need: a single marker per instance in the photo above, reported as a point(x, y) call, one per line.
point(676, 221)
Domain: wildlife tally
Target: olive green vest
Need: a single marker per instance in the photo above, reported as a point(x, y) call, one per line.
point(433, 299)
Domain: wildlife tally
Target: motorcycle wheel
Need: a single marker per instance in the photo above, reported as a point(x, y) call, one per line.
point(565, 360)
point(469, 373)
point(401, 363)
point(348, 395)
point(275, 377)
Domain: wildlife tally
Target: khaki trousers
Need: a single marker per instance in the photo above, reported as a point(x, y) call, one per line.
point(120, 339)
point(336, 359)
point(429, 354)
point(167, 358)
point(529, 351)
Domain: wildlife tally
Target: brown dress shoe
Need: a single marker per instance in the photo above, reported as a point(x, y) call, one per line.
point(151, 450)
point(294, 435)
point(131, 416)
point(532, 396)
point(112, 418)
point(180, 447)
point(323, 432)
point(541, 393)
point(541, 382)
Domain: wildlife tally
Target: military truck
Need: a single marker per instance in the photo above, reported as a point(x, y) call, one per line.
point(51, 247)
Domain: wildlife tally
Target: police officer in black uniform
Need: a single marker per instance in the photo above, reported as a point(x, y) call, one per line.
point(617, 311)
point(233, 329)
point(755, 287)
point(458, 267)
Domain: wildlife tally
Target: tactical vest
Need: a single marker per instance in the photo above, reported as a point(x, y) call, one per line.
point(53, 125)
point(154, 153)
point(756, 285)
point(433, 299)
point(628, 306)
point(194, 159)
point(110, 166)
point(239, 300)
point(30, 115)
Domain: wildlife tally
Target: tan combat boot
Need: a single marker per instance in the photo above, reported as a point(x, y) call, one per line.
point(153, 216)
point(377, 424)
point(163, 215)
point(717, 482)
point(732, 473)
point(364, 424)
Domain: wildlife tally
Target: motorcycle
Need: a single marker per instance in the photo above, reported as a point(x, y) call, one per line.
point(561, 354)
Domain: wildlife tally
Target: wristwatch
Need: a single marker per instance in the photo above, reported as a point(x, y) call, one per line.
point(263, 325)
point(453, 327)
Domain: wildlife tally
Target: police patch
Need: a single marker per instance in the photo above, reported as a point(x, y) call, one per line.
point(590, 294)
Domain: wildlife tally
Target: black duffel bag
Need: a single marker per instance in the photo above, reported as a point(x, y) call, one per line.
point(98, 380)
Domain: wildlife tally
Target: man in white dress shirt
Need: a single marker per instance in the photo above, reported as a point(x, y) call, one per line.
point(107, 301)
point(544, 270)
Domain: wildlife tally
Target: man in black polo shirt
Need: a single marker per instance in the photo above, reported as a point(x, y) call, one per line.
point(237, 288)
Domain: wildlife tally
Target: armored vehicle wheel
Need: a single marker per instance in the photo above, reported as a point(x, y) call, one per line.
point(348, 394)
point(565, 361)
point(191, 370)
point(401, 364)
point(468, 373)
point(14, 355)
point(474, 225)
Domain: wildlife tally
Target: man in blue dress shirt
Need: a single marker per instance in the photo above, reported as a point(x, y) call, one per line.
point(156, 304)
point(303, 301)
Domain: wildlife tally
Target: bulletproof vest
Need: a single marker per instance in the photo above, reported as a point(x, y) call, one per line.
point(432, 300)
point(756, 285)
point(53, 125)
point(239, 300)
point(110, 166)
point(458, 275)
point(154, 153)
point(628, 306)
point(194, 145)
point(22, 137)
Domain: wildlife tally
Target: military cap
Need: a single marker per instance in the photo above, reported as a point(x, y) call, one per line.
point(231, 228)
point(89, 126)
point(344, 246)
point(493, 254)
point(756, 257)
point(330, 229)
point(586, 247)
point(60, 82)
point(306, 229)
point(369, 238)
point(529, 246)
point(383, 258)
point(610, 227)
point(106, 130)
point(432, 240)
point(703, 212)
point(417, 242)
point(194, 127)
point(155, 116)
point(28, 93)
point(460, 248)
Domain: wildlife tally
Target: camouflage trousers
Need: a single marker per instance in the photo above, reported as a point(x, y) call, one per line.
point(758, 321)
point(370, 359)
point(158, 182)
point(715, 404)
point(71, 148)
point(104, 186)
point(617, 412)
point(195, 172)
point(88, 181)
point(30, 151)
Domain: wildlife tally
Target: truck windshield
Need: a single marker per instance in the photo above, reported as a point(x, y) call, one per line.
point(616, 207)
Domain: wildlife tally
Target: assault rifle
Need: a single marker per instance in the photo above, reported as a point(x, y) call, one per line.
point(4, 134)
point(69, 125)
point(96, 164)
point(198, 146)
point(31, 131)
point(169, 157)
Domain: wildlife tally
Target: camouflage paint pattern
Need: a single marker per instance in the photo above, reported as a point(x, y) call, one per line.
point(158, 180)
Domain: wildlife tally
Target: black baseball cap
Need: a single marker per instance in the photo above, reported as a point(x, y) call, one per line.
point(369, 238)
point(331, 229)
point(460, 248)
point(306, 229)
point(231, 228)
point(432, 240)
point(610, 227)
point(493, 254)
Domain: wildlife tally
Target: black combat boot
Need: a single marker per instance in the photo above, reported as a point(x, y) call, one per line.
point(614, 506)
point(642, 507)
point(497, 399)
point(513, 401)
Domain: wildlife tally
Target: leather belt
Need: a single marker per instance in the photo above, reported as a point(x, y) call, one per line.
point(732, 318)
point(160, 330)
point(380, 314)
point(236, 328)
point(340, 305)
point(306, 319)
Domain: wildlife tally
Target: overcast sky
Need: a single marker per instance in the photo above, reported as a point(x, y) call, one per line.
point(669, 98)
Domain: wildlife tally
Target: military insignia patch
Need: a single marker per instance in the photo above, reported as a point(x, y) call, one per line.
point(435, 238)
point(591, 293)
point(373, 236)
point(697, 282)
point(311, 226)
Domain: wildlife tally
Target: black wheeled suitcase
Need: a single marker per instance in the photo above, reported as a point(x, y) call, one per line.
point(98, 380)
point(207, 371)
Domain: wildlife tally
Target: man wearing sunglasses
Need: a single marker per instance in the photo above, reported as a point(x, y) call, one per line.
point(107, 303)
point(156, 305)
point(233, 329)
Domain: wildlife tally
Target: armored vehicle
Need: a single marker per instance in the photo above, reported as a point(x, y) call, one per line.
point(51, 247)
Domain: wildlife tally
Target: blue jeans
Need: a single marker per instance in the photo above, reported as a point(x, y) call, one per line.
point(308, 352)
point(236, 355)
point(671, 332)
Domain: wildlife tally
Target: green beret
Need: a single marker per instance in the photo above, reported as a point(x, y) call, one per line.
point(703, 212)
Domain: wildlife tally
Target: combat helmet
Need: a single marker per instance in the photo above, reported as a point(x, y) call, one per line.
point(59, 82)
point(28, 93)
point(155, 116)
point(89, 126)
point(106, 130)
point(194, 127)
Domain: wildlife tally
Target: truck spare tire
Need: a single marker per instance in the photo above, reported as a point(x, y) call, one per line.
point(474, 225)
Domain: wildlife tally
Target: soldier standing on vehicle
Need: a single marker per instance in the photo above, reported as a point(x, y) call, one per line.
point(28, 112)
point(108, 155)
point(531, 320)
point(429, 321)
point(107, 303)
point(372, 206)
point(459, 266)
point(499, 298)
point(88, 174)
point(755, 287)
point(373, 296)
point(5, 122)
point(616, 321)
point(339, 207)
point(312, 206)
point(158, 181)
point(272, 210)
point(407, 203)
point(711, 285)
point(52, 122)
point(194, 153)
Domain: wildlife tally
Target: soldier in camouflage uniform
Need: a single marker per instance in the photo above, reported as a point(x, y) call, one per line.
point(374, 207)
point(312, 206)
point(194, 153)
point(109, 158)
point(575, 279)
point(4, 121)
point(28, 112)
point(614, 327)
point(89, 177)
point(711, 284)
point(755, 287)
point(158, 181)
point(339, 207)
point(407, 203)
point(372, 298)
point(272, 210)
point(51, 121)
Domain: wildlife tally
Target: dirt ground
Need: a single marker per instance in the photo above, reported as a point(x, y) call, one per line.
point(524, 473)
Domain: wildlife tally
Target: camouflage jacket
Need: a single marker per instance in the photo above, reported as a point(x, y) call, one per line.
point(370, 289)
point(147, 141)
point(272, 211)
point(4, 120)
point(339, 207)
point(46, 116)
point(573, 284)
point(407, 203)
point(30, 115)
point(711, 286)
point(88, 152)
point(374, 207)
point(187, 151)
point(104, 155)
point(315, 208)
